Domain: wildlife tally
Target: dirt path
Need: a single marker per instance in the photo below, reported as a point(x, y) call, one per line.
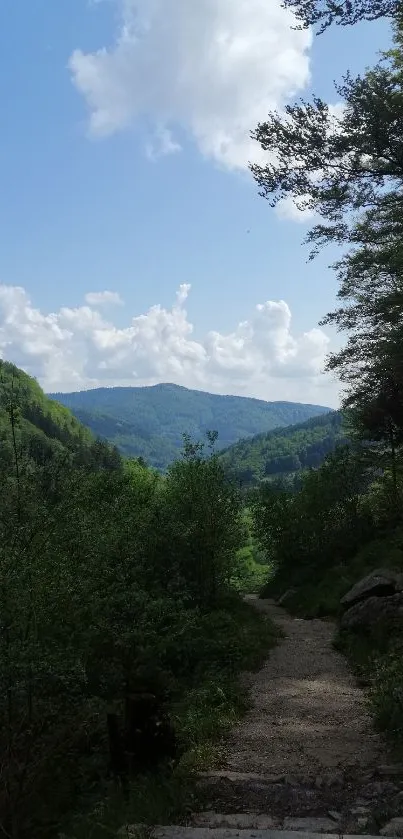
point(307, 715)
point(306, 748)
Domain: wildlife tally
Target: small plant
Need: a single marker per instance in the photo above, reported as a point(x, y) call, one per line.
point(386, 695)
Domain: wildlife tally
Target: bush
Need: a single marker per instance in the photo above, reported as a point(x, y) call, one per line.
point(386, 695)
point(115, 581)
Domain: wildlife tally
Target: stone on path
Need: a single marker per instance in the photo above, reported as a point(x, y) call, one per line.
point(174, 832)
point(310, 824)
point(393, 828)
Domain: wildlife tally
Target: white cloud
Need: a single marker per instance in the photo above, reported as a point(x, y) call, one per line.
point(103, 298)
point(213, 68)
point(162, 144)
point(77, 348)
point(287, 210)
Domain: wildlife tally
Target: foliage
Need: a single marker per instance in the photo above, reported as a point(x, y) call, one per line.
point(344, 13)
point(206, 521)
point(386, 696)
point(376, 656)
point(350, 172)
point(317, 527)
point(320, 597)
point(251, 569)
point(150, 421)
point(44, 429)
point(284, 451)
point(238, 638)
point(345, 520)
point(114, 582)
point(337, 164)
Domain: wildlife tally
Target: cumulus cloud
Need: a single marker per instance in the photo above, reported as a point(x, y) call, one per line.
point(77, 348)
point(213, 68)
point(162, 144)
point(287, 210)
point(103, 298)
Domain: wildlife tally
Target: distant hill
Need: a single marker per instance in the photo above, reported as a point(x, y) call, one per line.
point(149, 422)
point(285, 451)
point(44, 429)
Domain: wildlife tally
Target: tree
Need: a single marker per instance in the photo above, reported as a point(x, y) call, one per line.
point(205, 515)
point(370, 365)
point(341, 12)
point(321, 524)
point(341, 163)
point(351, 173)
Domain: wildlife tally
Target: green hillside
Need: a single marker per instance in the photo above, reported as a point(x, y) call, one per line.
point(150, 421)
point(43, 428)
point(285, 451)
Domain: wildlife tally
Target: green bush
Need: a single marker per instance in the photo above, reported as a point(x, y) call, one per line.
point(386, 695)
point(114, 581)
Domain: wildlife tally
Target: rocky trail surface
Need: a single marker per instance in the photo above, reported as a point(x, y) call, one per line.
point(305, 759)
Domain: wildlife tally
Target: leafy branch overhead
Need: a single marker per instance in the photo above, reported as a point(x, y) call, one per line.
point(336, 161)
point(323, 13)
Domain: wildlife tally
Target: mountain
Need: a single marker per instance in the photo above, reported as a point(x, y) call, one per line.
point(149, 422)
point(43, 429)
point(285, 451)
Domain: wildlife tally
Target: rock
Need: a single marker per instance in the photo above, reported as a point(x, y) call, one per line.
point(241, 821)
point(334, 779)
point(363, 681)
point(284, 597)
point(379, 789)
point(133, 831)
point(366, 613)
point(335, 815)
point(362, 822)
point(291, 780)
point(380, 583)
point(393, 828)
point(392, 770)
point(360, 811)
point(308, 824)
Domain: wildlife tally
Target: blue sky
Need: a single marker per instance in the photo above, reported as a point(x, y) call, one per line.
point(95, 195)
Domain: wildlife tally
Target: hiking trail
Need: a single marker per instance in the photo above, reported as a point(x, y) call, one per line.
point(305, 759)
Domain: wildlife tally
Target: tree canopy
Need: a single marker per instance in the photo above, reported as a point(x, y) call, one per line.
point(323, 13)
point(337, 162)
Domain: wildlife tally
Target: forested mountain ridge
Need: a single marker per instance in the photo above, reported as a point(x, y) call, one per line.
point(150, 421)
point(285, 451)
point(43, 428)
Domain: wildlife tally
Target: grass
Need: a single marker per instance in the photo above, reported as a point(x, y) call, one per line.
point(202, 714)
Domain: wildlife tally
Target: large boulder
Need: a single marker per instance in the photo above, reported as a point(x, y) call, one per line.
point(380, 583)
point(373, 610)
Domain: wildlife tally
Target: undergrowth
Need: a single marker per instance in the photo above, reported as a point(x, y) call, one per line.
point(377, 659)
point(202, 712)
point(320, 597)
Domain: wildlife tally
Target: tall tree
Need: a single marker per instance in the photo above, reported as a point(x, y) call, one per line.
point(349, 170)
point(338, 161)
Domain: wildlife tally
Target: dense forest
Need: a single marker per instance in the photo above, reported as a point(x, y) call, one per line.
point(122, 628)
point(149, 422)
point(285, 452)
point(344, 521)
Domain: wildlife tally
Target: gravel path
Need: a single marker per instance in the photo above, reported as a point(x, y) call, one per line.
point(307, 715)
